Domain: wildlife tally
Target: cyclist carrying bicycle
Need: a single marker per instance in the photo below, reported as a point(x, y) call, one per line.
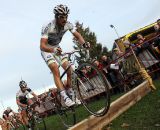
point(7, 116)
point(7, 112)
point(52, 34)
point(23, 101)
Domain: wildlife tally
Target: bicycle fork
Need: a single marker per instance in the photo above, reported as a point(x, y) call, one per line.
point(86, 88)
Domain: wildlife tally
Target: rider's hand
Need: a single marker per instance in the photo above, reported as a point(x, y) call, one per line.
point(86, 45)
point(58, 51)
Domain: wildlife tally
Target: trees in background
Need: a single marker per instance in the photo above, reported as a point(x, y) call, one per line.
point(96, 50)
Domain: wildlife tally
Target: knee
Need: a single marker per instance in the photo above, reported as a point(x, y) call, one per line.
point(55, 70)
point(23, 113)
point(69, 72)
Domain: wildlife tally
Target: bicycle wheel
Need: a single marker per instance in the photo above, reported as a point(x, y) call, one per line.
point(93, 89)
point(37, 123)
point(10, 126)
point(66, 114)
point(20, 125)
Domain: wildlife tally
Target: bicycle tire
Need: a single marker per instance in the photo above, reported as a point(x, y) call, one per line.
point(66, 114)
point(93, 89)
point(10, 126)
point(37, 123)
point(21, 126)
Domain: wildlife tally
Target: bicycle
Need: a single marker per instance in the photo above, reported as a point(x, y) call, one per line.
point(66, 114)
point(36, 122)
point(17, 123)
point(88, 83)
point(10, 125)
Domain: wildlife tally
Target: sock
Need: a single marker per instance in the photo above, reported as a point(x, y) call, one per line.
point(63, 94)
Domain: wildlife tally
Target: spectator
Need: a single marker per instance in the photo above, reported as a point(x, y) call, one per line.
point(118, 52)
point(105, 63)
point(126, 44)
point(157, 28)
point(118, 69)
point(119, 57)
point(145, 45)
point(156, 42)
point(142, 41)
point(140, 38)
point(129, 64)
point(105, 60)
point(158, 22)
point(52, 92)
point(98, 64)
point(109, 73)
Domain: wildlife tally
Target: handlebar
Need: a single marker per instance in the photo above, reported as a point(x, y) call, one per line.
point(71, 52)
point(33, 105)
point(78, 50)
point(87, 57)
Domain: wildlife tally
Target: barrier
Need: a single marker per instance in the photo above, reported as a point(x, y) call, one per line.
point(117, 107)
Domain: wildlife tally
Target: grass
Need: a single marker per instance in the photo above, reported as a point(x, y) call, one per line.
point(145, 115)
point(54, 122)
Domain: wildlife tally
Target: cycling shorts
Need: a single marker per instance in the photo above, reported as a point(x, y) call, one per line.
point(49, 58)
point(23, 100)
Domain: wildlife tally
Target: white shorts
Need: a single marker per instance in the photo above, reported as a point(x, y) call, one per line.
point(49, 58)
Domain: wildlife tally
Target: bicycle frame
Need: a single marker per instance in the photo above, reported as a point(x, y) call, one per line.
point(71, 65)
point(10, 125)
point(85, 85)
point(31, 110)
point(33, 117)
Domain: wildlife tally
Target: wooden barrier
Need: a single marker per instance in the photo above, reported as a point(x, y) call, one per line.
point(117, 107)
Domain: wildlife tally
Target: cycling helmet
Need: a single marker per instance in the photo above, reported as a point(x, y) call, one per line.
point(158, 20)
point(22, 84)
point(8, 109)
point(61, 10)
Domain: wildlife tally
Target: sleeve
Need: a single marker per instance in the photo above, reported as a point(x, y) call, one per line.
point(71, 28)
point(29, 90)
point(44, 31)
point(17, 95)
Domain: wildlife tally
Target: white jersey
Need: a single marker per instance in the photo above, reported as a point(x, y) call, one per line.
point(54, 34)
point(21, 94)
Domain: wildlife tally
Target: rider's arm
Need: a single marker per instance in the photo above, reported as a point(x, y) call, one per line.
point(44, 39)
point(34, 95)
point(43, 45)
point(76, 34)
point(19, 103)
point(79, 37)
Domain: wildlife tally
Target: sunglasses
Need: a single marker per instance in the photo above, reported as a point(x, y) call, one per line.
point(63, 16)
point(23, 86)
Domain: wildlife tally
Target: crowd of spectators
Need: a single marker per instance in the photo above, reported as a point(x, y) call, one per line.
point(119, 69)
point(146, 47)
